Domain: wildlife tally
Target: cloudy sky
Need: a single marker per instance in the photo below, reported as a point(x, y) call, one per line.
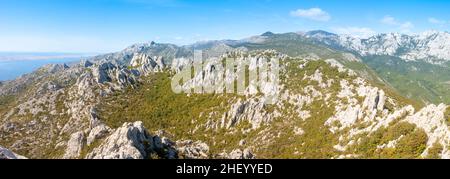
point(111, 25)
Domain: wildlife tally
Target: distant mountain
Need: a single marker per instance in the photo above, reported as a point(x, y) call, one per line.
point(319, 34)
point(430, 46)
point(422, 72)
point(267, 34)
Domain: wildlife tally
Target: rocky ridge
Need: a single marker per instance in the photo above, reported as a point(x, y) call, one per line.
point(431, 46)
point(60, 108)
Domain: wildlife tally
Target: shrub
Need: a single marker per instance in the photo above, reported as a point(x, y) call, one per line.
point(411, 145)
point(435, 151)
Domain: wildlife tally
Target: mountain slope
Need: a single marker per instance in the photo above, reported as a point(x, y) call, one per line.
point(415, 65)
point(431, 46)
point(324, 110)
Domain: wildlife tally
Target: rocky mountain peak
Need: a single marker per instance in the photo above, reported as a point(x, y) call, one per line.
point(319, 34)
point(267, 34)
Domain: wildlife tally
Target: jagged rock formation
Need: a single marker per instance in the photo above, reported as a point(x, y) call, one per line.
point(322, 109)
point(75, 145)
point(131, 141)
point(432, 120)
point(98, 132)
point(146, 65)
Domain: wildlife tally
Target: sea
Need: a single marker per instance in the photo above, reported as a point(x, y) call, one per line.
point(11, 69)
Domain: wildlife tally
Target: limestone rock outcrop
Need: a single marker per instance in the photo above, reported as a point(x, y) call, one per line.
point(75, 144)
point(146, 64)
point(432, 120)
point(189, 149)
point(131, 141)
point(238, 154)
point(7, 154)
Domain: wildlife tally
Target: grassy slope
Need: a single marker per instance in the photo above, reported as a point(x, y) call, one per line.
point(295, 45)
point(417, 80)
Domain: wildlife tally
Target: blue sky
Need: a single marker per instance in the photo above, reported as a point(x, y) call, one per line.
point(111, 25)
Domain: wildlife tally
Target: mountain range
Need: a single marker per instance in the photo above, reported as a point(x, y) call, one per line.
point(415, 65)
point(340, 97)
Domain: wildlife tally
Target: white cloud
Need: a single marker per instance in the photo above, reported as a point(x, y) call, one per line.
point(360, 32)
point(435, 21)
point(389, 20)
point(316, 14)
point(403, 26)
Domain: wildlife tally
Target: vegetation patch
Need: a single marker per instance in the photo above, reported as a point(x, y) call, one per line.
point(435, 151)
point(411, 142)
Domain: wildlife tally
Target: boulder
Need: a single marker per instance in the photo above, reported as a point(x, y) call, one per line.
point(189, 149)
point(7, 154)
point(75, 145)
point(131, 141)
point(238, 154)
point(98, 132)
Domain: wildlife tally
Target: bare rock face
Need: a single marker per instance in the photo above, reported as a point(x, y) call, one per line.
point(75, 145)
point(145, 64)
point(237, 154)
point(7, 154)
point(432, 120)
point(251, 110)
point(101, 72)
point(131, 141)
point(53, 68)
point(98, 132)
point(118, 75)
point(192, 150)
point(86, 63)
point(348, 114)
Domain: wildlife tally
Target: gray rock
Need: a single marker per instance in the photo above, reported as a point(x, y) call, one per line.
point(98, 132)
point(131, 141)
point(433, 121)
point(86, 63)
point(53, 68)
point(157, 143)
point(192, 150)
point(101, 72)
point(145, 64)
point(238, 154)
point(251, 110)
point(75, 145)
point(167, 142)
point(7, 154)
